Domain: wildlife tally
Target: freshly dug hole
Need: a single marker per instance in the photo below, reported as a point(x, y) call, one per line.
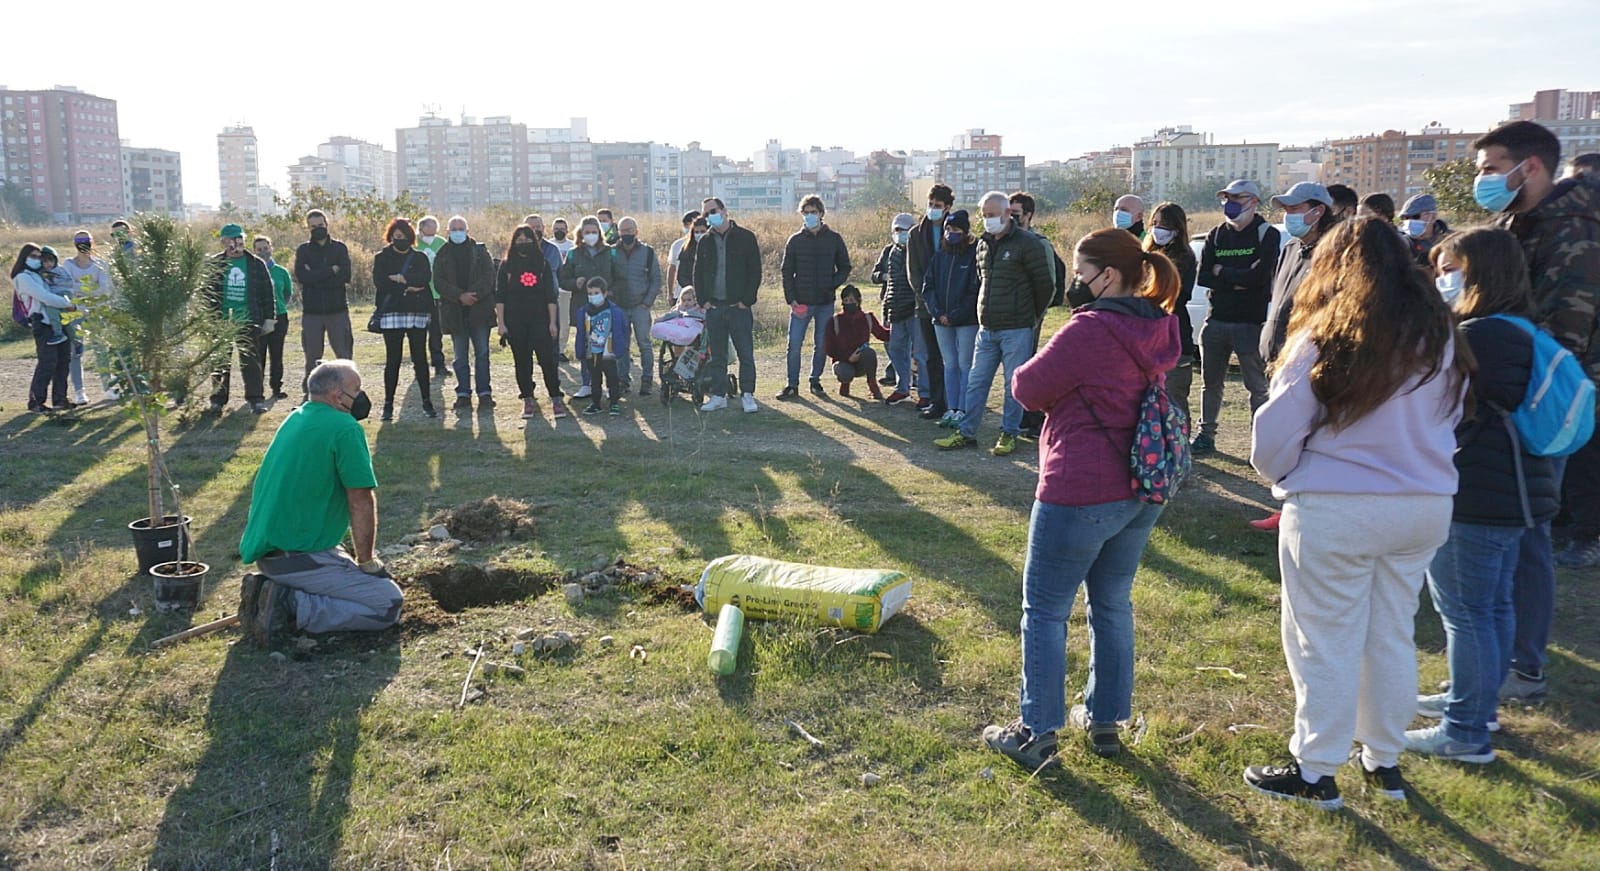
point(459, 586)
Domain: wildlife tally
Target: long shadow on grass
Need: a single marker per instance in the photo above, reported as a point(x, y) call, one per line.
point(1105, 811)
point(42, 454)
point(1202, 814)
point(281, 755)
point(1448, 829)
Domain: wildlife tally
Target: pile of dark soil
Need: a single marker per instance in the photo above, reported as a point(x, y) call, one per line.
point(494, 518)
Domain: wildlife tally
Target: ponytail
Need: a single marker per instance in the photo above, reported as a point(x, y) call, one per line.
point(1162, 283)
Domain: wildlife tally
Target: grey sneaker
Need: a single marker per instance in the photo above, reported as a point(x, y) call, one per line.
point(1432, 707)
point(1432, 741)
point(1519, 687)
point(1105, 739)
point(1580, 555)
point(1018, 742)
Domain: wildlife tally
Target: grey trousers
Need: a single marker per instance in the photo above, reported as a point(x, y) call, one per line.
point(1218, 341)
point(337, 328)
point(332, 593)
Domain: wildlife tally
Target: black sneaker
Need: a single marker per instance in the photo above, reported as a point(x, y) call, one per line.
point(1018, 742)
point(485, 401)
point(277, 393)
point(614, 410)
point(1284, 782)
point(463, 403)
point(817, 388)
point(1203, 444)
point(427, 409)
point(388, 412)
point(273, 619)
point(594, 408)
point(1105, 739)
point(933, 411)
point(646, 388)
point(217, 407)
point(789, 393)
point(1386, 781)
point(440, 373)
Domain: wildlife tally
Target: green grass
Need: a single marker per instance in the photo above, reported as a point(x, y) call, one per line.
point(354, 754)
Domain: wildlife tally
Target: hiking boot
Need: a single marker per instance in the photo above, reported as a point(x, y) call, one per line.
point(1386, 781)
point(1203, 444)
point(897, 397)
point(249, 591)
point(559, 407)
point(273, 618)
point(788, 393)
point(1018, 742)
point(1432, 741)
point(953, 441)
point(1433, 706)
point(1005, 446)
point(1104, 738)
point(1519, 687)
point(463, 403)
point(1284, 782)
point(1580, 555)
point(816, 387)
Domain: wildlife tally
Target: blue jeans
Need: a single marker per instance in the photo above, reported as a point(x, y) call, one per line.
point(993, 349)
point(1470, 582)
point(479, 337)
point(905, 346)
point(637, 323)
point(817, 316)
point(1533, 592)
point(956, 346)
point(1098, 546)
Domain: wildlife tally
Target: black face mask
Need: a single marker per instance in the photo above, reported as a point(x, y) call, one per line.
point(319, 233)
point(361, 406)
point(1079, 294)
point(851, 308)
point(561, 234)
point(401, 244)
point(628, 241)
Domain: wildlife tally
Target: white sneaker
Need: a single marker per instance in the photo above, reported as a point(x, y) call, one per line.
point(715, 402)
point(749, 403)
point(82, 398)
point(112, 394)
point(583, 392)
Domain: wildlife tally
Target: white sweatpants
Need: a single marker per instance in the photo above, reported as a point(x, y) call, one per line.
point(1352, 572)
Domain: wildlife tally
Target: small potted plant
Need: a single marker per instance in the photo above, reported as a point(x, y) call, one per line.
point(159, 336)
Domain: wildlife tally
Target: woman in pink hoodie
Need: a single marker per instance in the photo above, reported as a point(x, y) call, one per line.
point(1357, 437)
point(1087, 528)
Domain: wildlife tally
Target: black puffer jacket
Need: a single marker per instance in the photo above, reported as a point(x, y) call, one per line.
point(813, 267)
point(1488, 494)
point(1015, 280)
point(899, 297)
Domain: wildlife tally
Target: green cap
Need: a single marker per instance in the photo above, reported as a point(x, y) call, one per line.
point(47, 251)
point(232, 231)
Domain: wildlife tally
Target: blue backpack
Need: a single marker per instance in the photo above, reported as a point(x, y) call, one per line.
point(1556, 416)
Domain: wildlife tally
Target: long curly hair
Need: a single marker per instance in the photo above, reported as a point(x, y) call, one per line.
point(1376, 320)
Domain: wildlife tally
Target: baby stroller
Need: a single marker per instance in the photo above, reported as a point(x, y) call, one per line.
point(682, 357)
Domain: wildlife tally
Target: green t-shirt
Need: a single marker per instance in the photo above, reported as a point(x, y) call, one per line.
point(282, 286)
point(236, 290)
point(431, 251)
point(298, 502)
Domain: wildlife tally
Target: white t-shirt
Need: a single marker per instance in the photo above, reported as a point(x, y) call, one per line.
point(566, 246)
point(675, 251)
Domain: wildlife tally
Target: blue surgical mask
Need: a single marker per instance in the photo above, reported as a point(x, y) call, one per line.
point(812, 221)
point(1122, 220)
point(605, 226)
point(901, 237)
point(954, 237)
point(1450, 285)
point(935, 214)
point(458, 236)
point(33, 263)
point(1492, 192)
point(1299, 225)
point(715, 219)
point(597, 299)
point(1414, 228)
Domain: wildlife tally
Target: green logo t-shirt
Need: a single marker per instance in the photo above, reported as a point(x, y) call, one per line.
point(236, 290)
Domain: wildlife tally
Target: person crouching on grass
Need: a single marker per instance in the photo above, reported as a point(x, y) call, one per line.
point(601, 326)
point(848, 342)
point(1087, 528)
point(1357, 436)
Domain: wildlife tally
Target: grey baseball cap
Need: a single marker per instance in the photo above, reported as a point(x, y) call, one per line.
point(1301, 192)
point(1241, 186)
point(1419, 204)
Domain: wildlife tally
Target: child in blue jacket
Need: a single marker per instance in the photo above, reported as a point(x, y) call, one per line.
point(602, 326)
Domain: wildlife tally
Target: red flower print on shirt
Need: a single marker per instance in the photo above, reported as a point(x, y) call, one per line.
point(529, 279)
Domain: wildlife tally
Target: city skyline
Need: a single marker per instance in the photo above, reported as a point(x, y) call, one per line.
point(838, 74)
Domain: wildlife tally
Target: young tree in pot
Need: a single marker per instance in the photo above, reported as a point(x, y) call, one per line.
point(158, 338)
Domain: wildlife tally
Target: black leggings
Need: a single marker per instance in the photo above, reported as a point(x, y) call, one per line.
point(530, 341)
point(393, 341)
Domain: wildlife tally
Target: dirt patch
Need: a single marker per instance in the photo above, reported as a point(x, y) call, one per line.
point(491, 519)
point(457, 586)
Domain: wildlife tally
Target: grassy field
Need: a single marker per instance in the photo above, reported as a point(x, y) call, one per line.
point(354, 754)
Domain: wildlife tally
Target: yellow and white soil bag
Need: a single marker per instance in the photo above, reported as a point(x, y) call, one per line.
point(859, 599)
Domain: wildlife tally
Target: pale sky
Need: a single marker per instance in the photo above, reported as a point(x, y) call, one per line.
point(1053, 80)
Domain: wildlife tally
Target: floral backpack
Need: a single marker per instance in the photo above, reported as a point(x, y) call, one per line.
point(1160, 458)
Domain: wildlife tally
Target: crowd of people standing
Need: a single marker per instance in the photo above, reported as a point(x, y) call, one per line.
point(1379, 359)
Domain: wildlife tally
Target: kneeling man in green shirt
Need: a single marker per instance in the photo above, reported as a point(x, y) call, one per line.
point(315, 483)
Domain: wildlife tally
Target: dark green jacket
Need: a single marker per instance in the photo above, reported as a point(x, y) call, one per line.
point(1015, 282)
point(453, 316)
point(1561, 240)
point(263, 303)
